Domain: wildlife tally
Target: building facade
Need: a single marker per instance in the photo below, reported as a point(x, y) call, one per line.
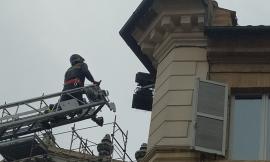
point(211, 81)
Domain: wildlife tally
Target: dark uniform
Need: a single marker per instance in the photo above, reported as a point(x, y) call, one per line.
point(75, 77)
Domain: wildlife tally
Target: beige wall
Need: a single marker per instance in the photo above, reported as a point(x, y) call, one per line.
point(173, 100)
point(242, 75)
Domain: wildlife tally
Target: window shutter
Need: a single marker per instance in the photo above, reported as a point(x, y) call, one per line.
point(210, 117)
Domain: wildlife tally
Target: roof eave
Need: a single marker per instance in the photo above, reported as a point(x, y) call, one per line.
point(229, 30)
point(126, 34)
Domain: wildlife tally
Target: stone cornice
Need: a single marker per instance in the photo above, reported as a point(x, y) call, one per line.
point(171, 22)
point(154, 20)
point(170, 30)
point(168, 21)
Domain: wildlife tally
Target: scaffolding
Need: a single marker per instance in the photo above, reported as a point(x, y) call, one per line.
point(36, 147)
point(87, 146)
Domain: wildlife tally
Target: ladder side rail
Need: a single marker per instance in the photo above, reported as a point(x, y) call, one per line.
point(33, 111)
point(43, 117)
point(24, 131)
point(43, 97)
point(39, 109)
point(22, 114)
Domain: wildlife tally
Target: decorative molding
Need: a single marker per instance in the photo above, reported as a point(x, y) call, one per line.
point(167, 24)
point(147, 48)
point(171, 22)
point(201, 21)
point(169, 30)
point(156, 36)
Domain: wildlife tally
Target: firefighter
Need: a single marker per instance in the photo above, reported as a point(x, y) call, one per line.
point(75, 77)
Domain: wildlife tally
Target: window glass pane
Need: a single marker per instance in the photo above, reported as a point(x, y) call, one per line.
point(246, 129)
point(268, 132)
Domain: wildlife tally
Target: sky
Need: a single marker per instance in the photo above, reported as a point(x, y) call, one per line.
point(37, 38)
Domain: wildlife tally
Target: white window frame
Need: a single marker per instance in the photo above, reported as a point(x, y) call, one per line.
point(195, 113)
point(263, 139)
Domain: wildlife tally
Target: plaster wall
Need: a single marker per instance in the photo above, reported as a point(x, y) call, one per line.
point(173, 99)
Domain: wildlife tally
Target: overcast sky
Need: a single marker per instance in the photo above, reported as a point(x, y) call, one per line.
point(37, 38)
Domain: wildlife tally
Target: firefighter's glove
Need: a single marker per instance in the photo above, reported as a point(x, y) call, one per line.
point(97, 82)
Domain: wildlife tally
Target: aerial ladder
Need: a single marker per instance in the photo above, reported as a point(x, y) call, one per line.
point(37, 114)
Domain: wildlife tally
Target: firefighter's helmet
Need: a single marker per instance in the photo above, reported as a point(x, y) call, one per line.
point(75, 58)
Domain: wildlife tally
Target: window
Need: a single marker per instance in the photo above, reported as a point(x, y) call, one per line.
point(210, 117)
point(250, 128)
